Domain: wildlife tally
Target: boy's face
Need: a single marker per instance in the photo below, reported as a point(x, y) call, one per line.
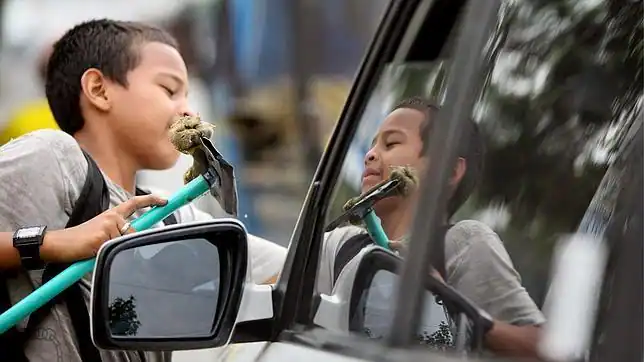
point(141, 113)
point(397, 143)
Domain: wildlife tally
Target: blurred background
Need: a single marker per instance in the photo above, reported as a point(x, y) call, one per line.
point(563, 89)
point(253, 73)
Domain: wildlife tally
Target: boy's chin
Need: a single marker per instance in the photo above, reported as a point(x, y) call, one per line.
point(388, 205)
point(162, 161)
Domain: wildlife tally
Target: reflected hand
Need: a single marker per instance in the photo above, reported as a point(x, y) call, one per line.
point(400, 247)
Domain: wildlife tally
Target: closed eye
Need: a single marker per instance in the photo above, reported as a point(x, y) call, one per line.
point(170, 92)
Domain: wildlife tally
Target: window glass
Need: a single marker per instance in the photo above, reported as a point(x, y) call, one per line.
point(562, 91)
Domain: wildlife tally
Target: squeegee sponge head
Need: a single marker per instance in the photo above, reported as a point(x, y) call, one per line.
point(186, 131)
point(350, 203)
point(408, 179)
point(185, 135)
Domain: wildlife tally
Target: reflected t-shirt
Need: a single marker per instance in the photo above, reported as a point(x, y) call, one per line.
point(476, 263)
point(436, 328)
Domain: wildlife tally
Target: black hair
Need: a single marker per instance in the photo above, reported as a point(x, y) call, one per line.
point(471, 148)
point(110, 46)
point(41, 66)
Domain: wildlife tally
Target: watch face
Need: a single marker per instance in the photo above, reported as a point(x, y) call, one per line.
point(29, 232)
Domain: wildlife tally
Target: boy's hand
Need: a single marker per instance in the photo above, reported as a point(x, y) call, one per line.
point(400, 247)
point(83, 241)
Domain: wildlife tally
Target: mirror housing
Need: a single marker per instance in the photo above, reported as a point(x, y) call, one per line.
point(339, 311)
point(190, 278)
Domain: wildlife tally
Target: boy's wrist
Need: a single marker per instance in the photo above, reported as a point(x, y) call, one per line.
point(48, 249)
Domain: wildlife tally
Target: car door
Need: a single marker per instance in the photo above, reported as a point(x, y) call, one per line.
point(536, 96)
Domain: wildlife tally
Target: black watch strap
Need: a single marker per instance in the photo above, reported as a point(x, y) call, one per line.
point(28, 241)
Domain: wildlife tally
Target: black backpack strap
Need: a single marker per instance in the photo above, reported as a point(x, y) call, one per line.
point(88, 209)
point(92, 201)
point(350, 248)
point(11, 341)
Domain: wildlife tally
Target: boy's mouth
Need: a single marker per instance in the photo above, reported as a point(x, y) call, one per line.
point(370, 177)
point(370, 172)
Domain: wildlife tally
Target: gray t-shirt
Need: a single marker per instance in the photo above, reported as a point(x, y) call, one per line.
point(41, 177)
point(476, 264)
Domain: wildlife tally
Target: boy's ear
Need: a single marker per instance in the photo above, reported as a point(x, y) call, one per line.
point(459, 172)
point(94, 86)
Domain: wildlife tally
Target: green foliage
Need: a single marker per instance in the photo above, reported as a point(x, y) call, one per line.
point(123, 318)
point(441, 339)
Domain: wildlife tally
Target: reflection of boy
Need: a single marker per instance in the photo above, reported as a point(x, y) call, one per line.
point(476, 262)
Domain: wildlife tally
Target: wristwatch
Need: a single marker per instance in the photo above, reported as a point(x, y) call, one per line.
point(28, 241)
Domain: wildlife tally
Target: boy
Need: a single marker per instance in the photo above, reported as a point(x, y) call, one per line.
point(476, 261)
point(114, 88)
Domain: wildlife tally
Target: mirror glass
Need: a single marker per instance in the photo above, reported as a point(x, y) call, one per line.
point(438, 328)
point(164, 290)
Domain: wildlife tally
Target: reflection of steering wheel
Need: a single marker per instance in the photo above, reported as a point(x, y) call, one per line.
point(374, 311)
point(469, 330)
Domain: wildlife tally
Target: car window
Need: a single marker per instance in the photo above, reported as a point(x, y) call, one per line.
point(376, 312)
point(562, 90)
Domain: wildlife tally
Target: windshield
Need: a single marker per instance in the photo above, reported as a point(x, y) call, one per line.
point(561, 92)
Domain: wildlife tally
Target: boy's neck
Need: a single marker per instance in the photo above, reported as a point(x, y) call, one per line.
point(397, 222)
point(110, 159)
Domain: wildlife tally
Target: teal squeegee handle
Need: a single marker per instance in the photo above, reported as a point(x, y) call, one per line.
point(374, 228)
point(76, 271)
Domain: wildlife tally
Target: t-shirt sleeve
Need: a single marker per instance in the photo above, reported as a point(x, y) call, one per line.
point(41, 176)
point(266, 257)
point(480, 268)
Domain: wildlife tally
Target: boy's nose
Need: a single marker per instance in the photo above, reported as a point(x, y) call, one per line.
point(187, 113)
point(183, 109)
point(370, 156)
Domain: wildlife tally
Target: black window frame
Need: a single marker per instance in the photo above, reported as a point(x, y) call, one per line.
point(294, 294)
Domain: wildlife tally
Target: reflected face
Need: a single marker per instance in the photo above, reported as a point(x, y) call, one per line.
point(156, 93)
point(397, 143)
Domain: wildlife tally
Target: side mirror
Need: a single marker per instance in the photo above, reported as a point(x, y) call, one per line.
point(168, 289)
point(364, 295)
